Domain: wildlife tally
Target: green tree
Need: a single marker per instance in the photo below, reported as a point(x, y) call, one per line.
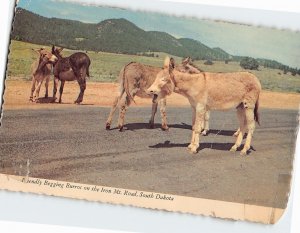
point(249, 63)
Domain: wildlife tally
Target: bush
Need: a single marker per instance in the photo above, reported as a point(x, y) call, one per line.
point(293, 72)
point(208, 62)
point(249, 63)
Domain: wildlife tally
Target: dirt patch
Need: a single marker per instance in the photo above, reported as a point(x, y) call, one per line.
point(102, 94)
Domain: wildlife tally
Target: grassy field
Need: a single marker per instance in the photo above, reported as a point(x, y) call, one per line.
point(105, 67)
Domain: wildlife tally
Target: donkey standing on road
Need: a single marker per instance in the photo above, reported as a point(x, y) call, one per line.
point(41, 69)
point(74, 67)
point(206, 91)
point(135, 78)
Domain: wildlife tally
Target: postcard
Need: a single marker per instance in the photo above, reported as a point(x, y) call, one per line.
point(149, 109)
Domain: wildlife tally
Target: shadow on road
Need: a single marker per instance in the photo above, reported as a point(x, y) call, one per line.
point(138, 126)
point(51, 100)
point(44, 100)
point(214, 146)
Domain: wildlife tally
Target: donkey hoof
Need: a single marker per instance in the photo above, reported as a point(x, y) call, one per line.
point(164, 127)
point(193, 150)
point(120, 128)
point(233, 149)
point(204, 133)
point(107, 126)
point(243, 152)
point(151, 126)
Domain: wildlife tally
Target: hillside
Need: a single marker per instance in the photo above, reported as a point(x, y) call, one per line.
point(117, 36)
point(111, 35)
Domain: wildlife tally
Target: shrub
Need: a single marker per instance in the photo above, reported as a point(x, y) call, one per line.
point(208, 62)
point(249, 63)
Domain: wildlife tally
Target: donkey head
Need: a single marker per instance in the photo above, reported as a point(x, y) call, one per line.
point(164, 81)
point(45, 58)
point(57, 51)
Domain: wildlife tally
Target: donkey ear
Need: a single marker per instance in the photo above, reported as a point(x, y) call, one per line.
point(60, 49)
point(185, 61)
point(171, 64)
point(37, 50)
point(166, 63)
point(53, 48)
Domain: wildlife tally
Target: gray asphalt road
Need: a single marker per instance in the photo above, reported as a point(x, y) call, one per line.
point(72, 145)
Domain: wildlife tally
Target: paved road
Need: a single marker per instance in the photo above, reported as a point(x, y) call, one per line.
point(72, 145)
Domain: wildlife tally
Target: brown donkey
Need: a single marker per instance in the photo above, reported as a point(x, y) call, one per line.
point(74, 67)
point(41, 69)
point(135, 78)
point(207, 91)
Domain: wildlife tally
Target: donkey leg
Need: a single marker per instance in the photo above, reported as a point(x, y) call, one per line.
point(153, 112)
point(123, 105)
point(242, 120)
point(82, 84)
point(200, 112)
point(46, 86)
point(37, 92)
point(32, 89)
point(61, 90)
point(164, 123)
point(55, 85)
point(193, 126)
point(251, 127)
point(112, 111)
point(206, 123)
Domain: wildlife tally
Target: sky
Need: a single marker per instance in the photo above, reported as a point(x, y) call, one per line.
point(236, 39)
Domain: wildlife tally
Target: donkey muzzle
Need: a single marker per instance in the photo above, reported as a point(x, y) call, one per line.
point(53, 59)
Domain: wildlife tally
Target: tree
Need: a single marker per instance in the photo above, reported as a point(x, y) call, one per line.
point(249, 63)
point(293, 71)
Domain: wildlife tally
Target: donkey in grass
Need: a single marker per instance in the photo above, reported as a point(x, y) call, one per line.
point(207, 91)
point(74, 67)
point(40, 70)
point(135, 78)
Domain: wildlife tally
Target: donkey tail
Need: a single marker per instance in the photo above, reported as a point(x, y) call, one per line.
point(256, 113)
point(125, 83)
point(88, 71)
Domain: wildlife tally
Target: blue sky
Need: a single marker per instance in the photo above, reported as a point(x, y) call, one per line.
point(236, 39)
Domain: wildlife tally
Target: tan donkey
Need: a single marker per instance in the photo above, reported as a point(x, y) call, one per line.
point(208, 91)
point(135, 78)
point(41, 69)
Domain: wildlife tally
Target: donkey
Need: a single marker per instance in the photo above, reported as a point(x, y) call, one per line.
point(74, 67)
point(40, 70)
point(206, 91)
point(135, 78)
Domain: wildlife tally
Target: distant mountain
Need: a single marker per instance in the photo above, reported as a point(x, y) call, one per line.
point(111, 35)
point(116, 36)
